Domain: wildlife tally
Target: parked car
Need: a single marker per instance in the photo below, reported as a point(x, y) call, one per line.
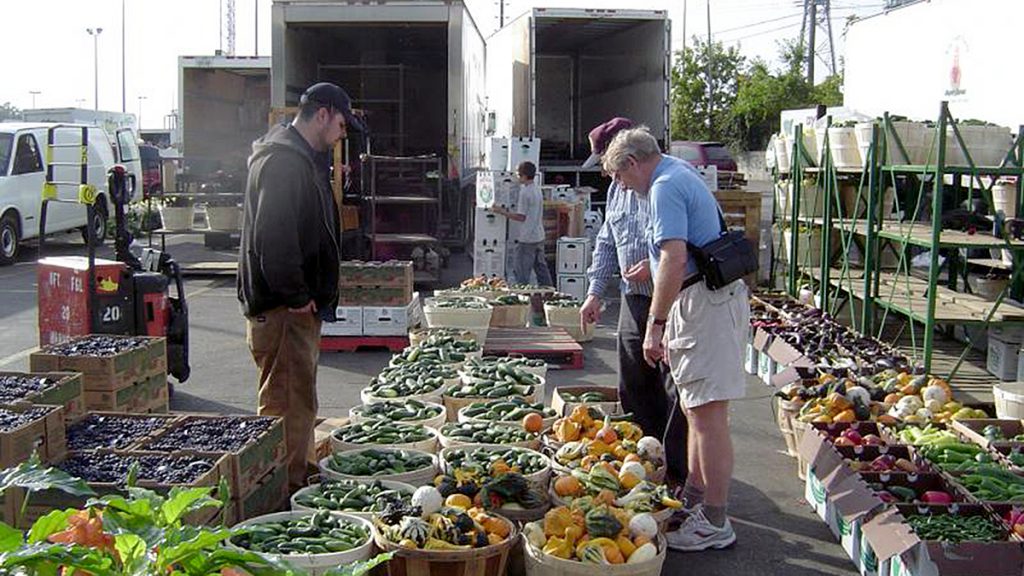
point(23, 167)
point(704, 154)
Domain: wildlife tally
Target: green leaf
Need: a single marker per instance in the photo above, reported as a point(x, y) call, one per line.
point(32, 476)
point(44, 558)
point(254, 563)
point(132, 550)
point(183, 501)
point(361, 568)
point(55, 521)
point(10, 538)
point(202, 541)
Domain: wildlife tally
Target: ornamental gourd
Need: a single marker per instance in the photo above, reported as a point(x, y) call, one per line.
point(601, 523)
point(643, 554)
point(650, 448)
point(429, 499)
point(643, 525)
point(415, 529)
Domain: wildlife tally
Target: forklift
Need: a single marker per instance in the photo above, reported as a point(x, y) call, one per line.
point(129, 295)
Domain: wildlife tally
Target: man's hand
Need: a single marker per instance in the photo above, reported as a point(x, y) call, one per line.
point(590, 312)
point(654, 346)
point(639, 272)
point(309, 308)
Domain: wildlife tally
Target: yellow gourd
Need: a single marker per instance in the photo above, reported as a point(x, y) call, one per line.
point(559, 548)
point(625, 546)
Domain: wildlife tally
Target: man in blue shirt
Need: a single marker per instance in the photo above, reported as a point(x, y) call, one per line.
point(621, 246)
point(698, 332)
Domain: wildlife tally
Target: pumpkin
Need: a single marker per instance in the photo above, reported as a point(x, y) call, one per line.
point(607, 433)
point(643, 525)
point(568, 486)
point(533, 422)
point(429, 500)
point(643, 554)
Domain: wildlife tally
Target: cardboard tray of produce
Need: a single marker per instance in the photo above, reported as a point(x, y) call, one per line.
point(49, 388)
point(111, 372)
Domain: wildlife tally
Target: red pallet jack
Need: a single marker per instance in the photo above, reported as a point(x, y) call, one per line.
point(129, 295)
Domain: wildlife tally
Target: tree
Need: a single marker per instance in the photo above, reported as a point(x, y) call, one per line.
point(9, 111)
point(696, 114)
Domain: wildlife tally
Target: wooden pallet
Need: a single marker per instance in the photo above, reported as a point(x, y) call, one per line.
point(553, 345)
point(355, 343)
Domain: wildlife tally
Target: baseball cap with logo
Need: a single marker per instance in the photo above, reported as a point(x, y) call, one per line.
point(602, 135)
point(332, 96)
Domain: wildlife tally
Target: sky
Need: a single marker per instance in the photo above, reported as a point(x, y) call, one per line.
point(59, 65)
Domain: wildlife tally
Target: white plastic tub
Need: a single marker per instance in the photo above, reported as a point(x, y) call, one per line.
point(317, 564)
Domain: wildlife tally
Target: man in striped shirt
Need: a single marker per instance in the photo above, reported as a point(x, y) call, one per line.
point(622, 246)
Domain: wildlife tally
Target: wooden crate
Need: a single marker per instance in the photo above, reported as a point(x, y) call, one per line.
point(742, 211)
point(269, 495)
point(65, 392)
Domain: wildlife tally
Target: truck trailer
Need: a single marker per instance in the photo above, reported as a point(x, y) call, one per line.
point(415, 69)
point(555, 73)
point(225, 105)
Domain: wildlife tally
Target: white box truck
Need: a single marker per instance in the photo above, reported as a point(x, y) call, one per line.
point(555, 73)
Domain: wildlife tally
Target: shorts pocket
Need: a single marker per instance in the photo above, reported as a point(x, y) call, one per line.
point(686, 360)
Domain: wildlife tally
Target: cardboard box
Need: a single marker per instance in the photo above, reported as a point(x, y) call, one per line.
point(372, 296)
point(825, 471)
point(248, 464)
point(489, 229)
point(972, 430)
point(751, 360)
point(391, 320)
point(1020, 365)
point(350, 322)
point(137, 397)
point(1002, 358)
point(489, 262)
point(521, 149)
point(496, 153)
point(574, 255)
point(322, 435)
point(575, 285)
point(562, 406)
point(65, 391)
point(269, 495)
point(107, 372)
point(389, 274)
point(1013, 334)
point(43, 435)
point(131, 442)
point(495, 188)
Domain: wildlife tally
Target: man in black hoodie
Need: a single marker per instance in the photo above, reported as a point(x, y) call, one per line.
point(288, 263)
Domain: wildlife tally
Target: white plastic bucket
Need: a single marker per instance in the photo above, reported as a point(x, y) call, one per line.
point(1009, 400)
point(842, 143)
point(176, 217)
point(780, 144)
point(389, 484)
point(917, 139)
point(419, 477)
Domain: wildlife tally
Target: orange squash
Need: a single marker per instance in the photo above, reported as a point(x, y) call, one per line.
point(533, 422)
point(607, 433)
point(568, 486)
point(847, 415)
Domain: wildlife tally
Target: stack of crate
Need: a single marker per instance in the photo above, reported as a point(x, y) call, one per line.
point(573, 260)
point(132, 378)
point(375, 299)
point(62, 389)
point(256, 472)
point(490, 231)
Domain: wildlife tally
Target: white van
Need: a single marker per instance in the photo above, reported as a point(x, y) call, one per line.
point(23, 163)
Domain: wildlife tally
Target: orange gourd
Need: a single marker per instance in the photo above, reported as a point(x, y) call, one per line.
point(533, 422)
point(567, 486)
point(607, 433)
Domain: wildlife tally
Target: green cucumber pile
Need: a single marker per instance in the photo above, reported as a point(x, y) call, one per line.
point(494, 381)
point(408, 411)
point(586, 397)
point(564, 301)
point(510, 300)
point(511, 410)
point(378, 462)
point(461, 302)
point(956, 456)
point(481, 458)
point(954, 528)
point(410, 380)
point(517, 362)
point(381, 432)
point(318, 533)
point(486, 433)
point(453, 352)
point(350, 496)
point(989, 483)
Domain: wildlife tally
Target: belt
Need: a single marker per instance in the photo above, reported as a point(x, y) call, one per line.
point(692, 280)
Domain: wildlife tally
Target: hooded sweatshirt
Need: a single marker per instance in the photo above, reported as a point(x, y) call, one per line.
point(289, 250)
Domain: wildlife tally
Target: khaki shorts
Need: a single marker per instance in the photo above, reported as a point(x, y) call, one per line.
point(705, 336)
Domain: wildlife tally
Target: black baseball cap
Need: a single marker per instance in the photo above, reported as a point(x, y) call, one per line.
point(332, 96)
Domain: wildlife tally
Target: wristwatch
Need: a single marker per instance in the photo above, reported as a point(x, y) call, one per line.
point(659, 321)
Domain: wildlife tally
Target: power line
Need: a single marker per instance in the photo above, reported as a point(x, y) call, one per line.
point(761, 23)
point(763, 32)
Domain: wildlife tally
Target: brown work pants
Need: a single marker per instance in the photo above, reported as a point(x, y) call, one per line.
point(286, 348)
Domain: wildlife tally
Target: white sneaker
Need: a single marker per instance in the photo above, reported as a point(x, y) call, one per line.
point(698, 533)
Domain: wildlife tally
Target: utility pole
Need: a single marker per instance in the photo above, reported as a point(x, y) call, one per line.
point(808, 35)
point(256, 7)
point(711, 90)
point(34, 93)
point(139, 119)
point(95, 33)
point(124, 105)
point(813, 13)
point(684, 26)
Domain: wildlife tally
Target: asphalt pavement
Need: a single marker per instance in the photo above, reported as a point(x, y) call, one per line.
point(778, 534)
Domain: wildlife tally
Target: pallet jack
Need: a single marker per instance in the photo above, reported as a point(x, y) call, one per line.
point(130, 296)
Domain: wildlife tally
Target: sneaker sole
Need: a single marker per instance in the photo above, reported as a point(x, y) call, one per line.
point(718, 545)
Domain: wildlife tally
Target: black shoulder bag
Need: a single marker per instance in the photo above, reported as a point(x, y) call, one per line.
point(726, 258)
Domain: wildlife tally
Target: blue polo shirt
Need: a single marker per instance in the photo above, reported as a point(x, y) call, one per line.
point(682, 208)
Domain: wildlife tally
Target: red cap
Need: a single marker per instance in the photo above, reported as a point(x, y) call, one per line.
point(602, 135)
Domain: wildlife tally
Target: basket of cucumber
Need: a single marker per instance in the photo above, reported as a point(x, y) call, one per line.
point(355, 497)
point(313, 541)
point(413, 467)
point(413, 412)
point(465, 312)
point(384, 433)
point(564, 312)
point(511, 411)
point(489, 460)
point(565, 399)
point(421, 335)
point(455, 434)
point(491, 384)
point(510, 311)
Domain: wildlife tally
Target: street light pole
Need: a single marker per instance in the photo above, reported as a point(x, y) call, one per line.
point(95, 33)
point(34, 93)
point(141, 98)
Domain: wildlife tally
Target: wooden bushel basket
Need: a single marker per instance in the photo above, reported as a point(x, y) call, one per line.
point(540, 564)
point(486, 561)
